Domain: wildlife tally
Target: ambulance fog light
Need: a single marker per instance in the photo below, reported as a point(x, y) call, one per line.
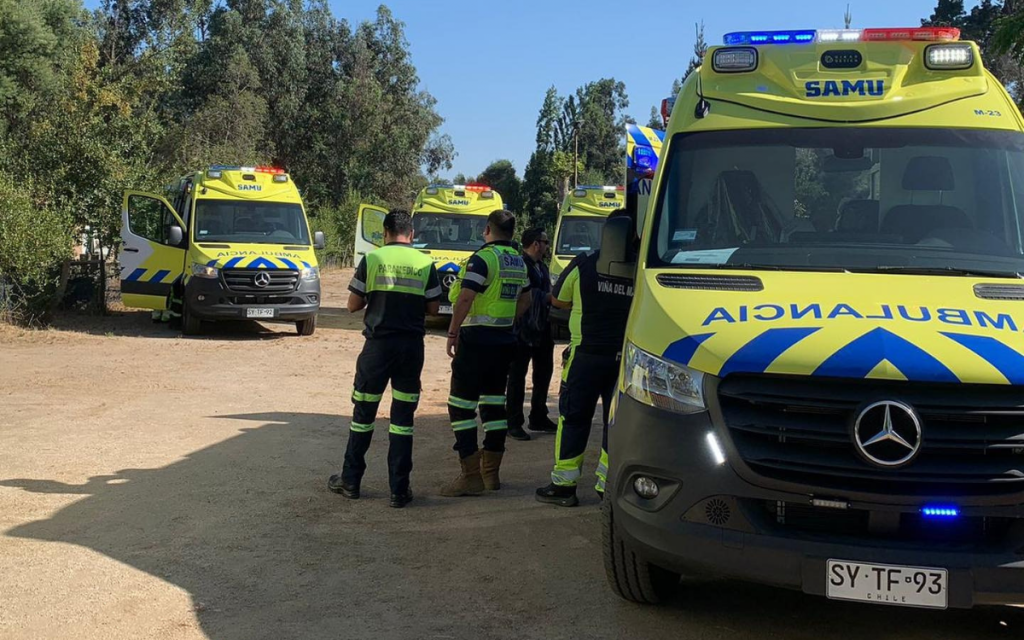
point(734, 60)
point(646, 488)
point(201, 298)
point(942, 57)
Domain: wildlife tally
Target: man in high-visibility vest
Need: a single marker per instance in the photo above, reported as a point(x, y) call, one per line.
point(398, 286)
point(491, 292)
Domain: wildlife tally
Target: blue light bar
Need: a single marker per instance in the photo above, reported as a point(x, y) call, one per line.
point(800, 36)
point(940, 512)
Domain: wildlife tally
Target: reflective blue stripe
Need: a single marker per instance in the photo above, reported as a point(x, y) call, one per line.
point(262, 263)
point(212, 263)
point(758, 354)
point(1009, 362)
point(135, 275)
point(288, 263)
point(682, 351)
point(449, 266)
point(307, 265)
point(857, 359)
point(160, 275)
point(230, 264)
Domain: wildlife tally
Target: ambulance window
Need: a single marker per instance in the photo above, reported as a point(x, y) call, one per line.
point(149, 218)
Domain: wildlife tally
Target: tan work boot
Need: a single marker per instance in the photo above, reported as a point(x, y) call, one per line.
point(469, 482)
point(490, 462)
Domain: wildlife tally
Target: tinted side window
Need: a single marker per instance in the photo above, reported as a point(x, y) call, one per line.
point(149, 218)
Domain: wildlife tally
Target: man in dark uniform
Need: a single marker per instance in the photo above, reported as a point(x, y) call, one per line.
point(398, 286)
point(535, 343)
point(493, 290)
point(597, 324)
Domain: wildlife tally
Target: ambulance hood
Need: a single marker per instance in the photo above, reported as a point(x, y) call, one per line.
point(893, 81)
point(253, 256)
point(837, 325)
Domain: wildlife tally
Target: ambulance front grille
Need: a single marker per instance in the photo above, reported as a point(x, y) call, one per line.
point(244, 280)
point(799, 430)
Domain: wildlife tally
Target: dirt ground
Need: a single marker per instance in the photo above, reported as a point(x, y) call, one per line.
point(153, 486)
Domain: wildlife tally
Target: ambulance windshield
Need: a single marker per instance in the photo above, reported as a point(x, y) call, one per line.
point(868, 199)
point(448, 231)
point(578, 234)
point(250, 222)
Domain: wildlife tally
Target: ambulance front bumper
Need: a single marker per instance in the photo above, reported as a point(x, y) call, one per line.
point(212, 299)
point(709, 517)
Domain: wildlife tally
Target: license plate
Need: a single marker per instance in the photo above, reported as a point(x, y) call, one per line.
point(445, 309)
point(259, 313)
point(888, 584)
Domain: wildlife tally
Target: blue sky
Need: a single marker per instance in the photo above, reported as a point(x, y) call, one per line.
point(489, 62)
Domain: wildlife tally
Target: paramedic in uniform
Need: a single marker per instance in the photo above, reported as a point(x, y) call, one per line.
point(597, 325)
point(398, 286)
point(491, 292)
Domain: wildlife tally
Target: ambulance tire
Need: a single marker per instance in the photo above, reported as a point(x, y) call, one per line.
point(306, 327)
point(630, 576)
point(190, 325)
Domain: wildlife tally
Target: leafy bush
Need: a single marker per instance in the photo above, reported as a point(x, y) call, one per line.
point(35, 242)
point(339, 225)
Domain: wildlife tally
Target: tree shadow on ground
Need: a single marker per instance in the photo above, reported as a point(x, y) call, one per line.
point(139, 324)
point(247, 527)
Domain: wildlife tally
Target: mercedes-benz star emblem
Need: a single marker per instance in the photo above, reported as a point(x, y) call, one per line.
point(261, 279)
point(888, 434)
point(449, 279)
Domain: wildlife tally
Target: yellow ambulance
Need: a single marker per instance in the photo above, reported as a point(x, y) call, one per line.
point(448, 221)
point(823, 373)
point(227, 243)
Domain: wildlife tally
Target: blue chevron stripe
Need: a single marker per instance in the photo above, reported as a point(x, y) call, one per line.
point(1007, 361)
point(860, 357)
point(758, 354)
point(682, 351)
point(262, 263)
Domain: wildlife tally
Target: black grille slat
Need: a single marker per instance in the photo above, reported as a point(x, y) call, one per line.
point(999, 291)
point(798, 430)
point(243, 280)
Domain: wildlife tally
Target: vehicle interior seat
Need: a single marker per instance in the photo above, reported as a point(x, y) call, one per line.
point(858, 216)
point(914, 222)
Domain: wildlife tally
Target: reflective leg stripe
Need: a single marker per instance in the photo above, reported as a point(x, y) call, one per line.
point(459, 403)
point(401, 431)
point(493, 400)
point(496, 425)
point(362, 428)
point(602, 471)
point(405, 397)
point(488, 321)
point(462, 425)
point(566, 475)
point(359, 396)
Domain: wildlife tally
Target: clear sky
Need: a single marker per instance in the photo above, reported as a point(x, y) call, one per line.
point(489, 62)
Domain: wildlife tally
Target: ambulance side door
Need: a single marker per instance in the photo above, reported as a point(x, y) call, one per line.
point(369, 230)
point(152, 250)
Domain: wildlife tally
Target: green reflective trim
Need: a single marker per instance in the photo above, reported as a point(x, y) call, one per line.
point(493, 400)
point(496, 425)
point(462, 404)
point(359, 396)
point(361, 428)
point(401, 431)
point(462, 425)
point(566, 477)
point(405, 397)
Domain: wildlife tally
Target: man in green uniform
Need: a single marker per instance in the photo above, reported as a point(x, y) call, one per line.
point(491, 292)
point(597, 324)
point(398, 286)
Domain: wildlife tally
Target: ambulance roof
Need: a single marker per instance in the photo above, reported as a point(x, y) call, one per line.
point(477, 199)
point(249, 183)
point(594, 200)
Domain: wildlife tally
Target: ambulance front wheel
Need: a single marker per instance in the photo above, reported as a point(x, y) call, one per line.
point(629, 574)
point(306, 327)
point(190, 324)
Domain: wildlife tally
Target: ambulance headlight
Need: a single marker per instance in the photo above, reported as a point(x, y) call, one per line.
point(662, 384)
point(942, 57)
point(205, 271)
point(311, 273)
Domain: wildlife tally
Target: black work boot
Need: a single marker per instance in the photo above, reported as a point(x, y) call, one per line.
point(554, 494)
point(543, 425)
point(337, 485)
point(517, 433)
point(399, 500)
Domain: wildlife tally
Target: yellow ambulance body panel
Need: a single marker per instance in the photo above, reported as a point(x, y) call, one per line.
point(580, 219)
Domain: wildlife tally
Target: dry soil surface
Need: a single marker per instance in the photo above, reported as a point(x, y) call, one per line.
point(153, 486)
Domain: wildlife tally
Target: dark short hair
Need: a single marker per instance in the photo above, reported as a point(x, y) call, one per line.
point(502, 223)
point(532, 235)
point(398, 222)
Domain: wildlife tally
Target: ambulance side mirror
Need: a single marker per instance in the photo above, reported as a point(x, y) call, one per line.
point(616, 259)
point(319, 241)
point(175, 236)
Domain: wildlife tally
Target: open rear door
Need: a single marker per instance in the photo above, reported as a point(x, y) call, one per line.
point(369, 230)
point(150, 259)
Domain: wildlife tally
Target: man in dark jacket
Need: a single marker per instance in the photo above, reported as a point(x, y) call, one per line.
point(535, 343)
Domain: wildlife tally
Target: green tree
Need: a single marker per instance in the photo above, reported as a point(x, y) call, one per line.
point(601, 130)
point(655, 121)
point(700, 49)
point(501, 176)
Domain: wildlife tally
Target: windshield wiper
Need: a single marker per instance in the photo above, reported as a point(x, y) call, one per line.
point(941, 271)
point(747, 266)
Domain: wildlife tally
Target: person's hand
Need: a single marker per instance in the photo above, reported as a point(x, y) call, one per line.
point(453, 344)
